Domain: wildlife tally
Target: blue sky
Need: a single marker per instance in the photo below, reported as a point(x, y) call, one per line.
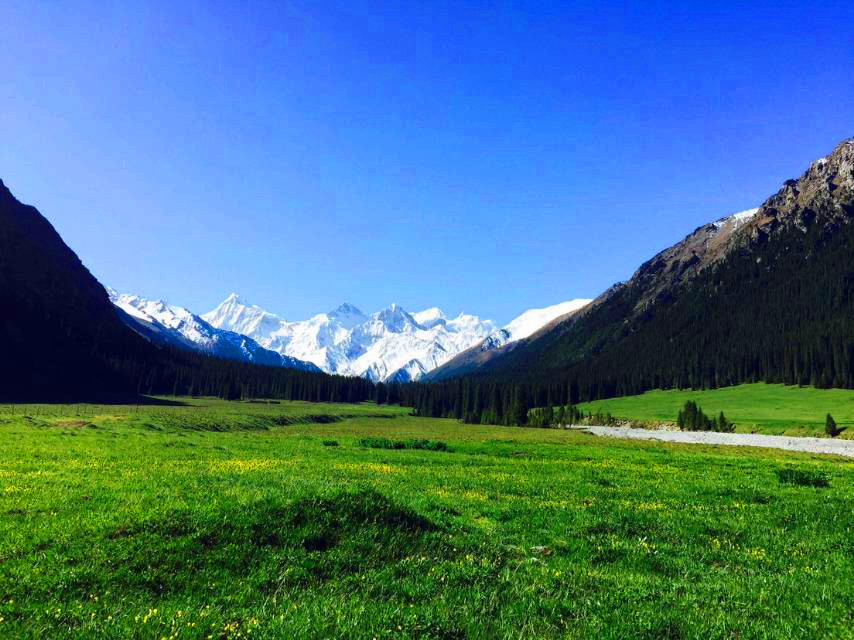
point(486, 157)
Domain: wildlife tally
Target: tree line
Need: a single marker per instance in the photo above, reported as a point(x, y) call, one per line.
point(475, 401)
point(169, 371)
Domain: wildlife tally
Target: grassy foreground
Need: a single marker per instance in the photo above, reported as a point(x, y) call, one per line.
point(227, 520)
point(761, 408)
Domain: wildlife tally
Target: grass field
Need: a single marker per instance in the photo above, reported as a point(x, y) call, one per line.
point(763, 408)
point(227, 520)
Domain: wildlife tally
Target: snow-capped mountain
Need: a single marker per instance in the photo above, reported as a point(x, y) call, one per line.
point(176, 326)
point(530, 322)
point(506, 338)
point(390, 344)
point(393, 344)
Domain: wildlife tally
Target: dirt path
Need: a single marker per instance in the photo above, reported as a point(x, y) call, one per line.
point(808, 445)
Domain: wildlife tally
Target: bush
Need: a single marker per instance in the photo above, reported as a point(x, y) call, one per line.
point(803, 477)
point(378, 443)
point(385, 443)
point(429, 445)
point(330, 443)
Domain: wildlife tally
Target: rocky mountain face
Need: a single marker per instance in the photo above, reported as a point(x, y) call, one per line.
point(665, 272)
point(823, 195)
point(824, 192)
point(714, 308)
point(175, 326)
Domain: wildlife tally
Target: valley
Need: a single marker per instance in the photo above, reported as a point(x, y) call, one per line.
point(545, 323)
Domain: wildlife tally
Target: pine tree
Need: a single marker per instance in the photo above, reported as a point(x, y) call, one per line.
point(519, 410)
point(724, 425)
point(830, 427)
point(549, 416)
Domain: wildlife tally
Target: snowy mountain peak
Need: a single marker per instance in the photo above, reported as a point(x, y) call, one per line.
point(156, 311)
point(521, 327)
point(464, 320)
point(395, 318)
point(232, 314)
point(433, 313)
point(531, 321)
point(233, 300)
point(393, 308)
point(346, 309)
point(429, 318)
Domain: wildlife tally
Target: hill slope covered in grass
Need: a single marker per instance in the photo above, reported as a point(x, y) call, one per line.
point(760, 408)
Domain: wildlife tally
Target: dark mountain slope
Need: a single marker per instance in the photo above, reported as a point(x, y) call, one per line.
point(58, 328)
point(770, 299)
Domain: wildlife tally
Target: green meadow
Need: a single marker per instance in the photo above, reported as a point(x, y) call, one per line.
point(210, 519)
point(761, 408)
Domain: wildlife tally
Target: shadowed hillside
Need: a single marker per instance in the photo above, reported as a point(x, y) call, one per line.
point(59, 329)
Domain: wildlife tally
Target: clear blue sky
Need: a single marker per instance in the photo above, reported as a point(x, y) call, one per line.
point(486, 157)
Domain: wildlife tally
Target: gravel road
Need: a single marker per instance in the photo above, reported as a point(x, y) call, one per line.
point(809, 445)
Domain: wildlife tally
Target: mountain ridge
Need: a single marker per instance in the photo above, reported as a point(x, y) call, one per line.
point(172, 325)
point(350, 342)
point(390, 345)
